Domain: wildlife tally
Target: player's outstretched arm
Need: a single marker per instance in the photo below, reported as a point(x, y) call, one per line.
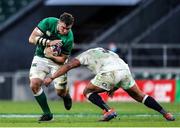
point(62, 70)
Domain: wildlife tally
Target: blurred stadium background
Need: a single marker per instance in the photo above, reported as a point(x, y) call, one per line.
point(145, 33)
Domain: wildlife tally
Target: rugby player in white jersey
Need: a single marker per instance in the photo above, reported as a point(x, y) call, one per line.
point(111, 73)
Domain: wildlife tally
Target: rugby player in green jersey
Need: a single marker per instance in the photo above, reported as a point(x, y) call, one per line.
point(51, 32)
point(111, 73)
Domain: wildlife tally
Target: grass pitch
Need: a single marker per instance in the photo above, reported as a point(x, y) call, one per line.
point(25, 114)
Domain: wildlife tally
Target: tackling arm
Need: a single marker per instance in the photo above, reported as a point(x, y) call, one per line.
point(59, 59)
point(62, 70)
point(65, 68)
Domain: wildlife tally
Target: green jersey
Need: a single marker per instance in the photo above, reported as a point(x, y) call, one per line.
point(49, 27)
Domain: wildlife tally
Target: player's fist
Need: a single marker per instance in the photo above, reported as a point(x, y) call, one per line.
point(48, 52)
point(54, 42)
point(47, 81)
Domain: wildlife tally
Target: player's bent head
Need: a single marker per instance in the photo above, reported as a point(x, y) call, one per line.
point(67, 18)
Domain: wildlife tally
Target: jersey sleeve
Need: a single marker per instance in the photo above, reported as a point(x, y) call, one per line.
point(43, 25)
point(83, 58)
point(67, 48)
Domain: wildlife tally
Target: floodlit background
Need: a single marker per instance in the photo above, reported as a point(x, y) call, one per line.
point(145, 33)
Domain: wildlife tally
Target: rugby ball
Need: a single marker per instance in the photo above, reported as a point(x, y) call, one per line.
point(56, 49)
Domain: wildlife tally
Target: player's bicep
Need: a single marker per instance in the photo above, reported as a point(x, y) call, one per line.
point(73, 63)
point(36, 33)
point(64, 56)
point(60, 59)
point(83, 58)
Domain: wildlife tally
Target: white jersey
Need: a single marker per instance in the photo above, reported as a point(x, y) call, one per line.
point(99, 60)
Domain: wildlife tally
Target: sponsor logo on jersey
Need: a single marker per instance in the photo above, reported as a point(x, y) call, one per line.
point(104, 85)
point(48, 33)
point(34, 64)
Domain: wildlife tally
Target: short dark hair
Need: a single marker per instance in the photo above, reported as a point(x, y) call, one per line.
point(67, 18)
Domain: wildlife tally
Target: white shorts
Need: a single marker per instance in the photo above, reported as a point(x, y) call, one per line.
point(41, 67)
point(119, 78)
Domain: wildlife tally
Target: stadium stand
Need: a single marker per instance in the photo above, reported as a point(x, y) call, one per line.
point(143, 18)
point(11, 10)
point(100, 21)
point(156, 76)
point(145, 23)
point(10, 7)
point(151, 33)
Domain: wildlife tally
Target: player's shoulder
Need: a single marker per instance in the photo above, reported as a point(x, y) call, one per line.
point(97, 49)
point(70, 35)
point(50, 19)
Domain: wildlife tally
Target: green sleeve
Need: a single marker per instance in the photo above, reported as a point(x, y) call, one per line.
point(66, 49)
point(43, 25)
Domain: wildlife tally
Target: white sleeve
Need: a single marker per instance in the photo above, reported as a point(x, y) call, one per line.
point(83, 58)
